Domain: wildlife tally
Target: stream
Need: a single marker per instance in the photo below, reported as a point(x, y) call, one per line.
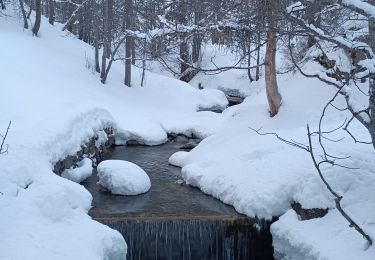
point(174, 220)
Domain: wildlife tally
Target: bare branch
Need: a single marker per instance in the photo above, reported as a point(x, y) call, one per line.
point(3, 146)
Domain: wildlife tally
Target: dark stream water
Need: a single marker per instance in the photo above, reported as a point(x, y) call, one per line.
point(174, 221)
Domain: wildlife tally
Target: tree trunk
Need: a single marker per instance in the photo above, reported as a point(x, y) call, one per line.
point(143, 63)
point(129, 43)
point(2, 4)
point(108, 30)
point(273, 95)
point(133, 52)
point(128, 60)
point(197, 38)
point(196, 52)
point(184, 55)
point(96, 46)
point(51, 18)
point(31, 9)
point(248, 53)
point(25, 23)
point(38, 16)
point(371, 27)
point(106, 40)
point(181, 19)
point(103, 75)
point(372, 110)
point(257, 71)
point(81, 26)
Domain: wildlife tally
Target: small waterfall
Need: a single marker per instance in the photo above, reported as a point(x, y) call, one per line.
point(176, 222)
point(197, 238)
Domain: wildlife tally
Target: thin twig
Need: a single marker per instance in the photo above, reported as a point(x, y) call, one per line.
point(2, 150)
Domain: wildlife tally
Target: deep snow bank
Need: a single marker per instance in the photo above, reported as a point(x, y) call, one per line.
point(261, 176)
point(56, 105)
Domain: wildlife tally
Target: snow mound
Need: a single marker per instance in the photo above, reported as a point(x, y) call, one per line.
point(214, 100)
point(80, 129)
point(329, 237)
point(123, 178)
point(80, 173)
point(237, 169)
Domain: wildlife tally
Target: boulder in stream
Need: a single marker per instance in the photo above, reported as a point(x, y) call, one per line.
point(123, 177)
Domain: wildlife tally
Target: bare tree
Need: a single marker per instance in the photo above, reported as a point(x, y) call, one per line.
point(129, 42)
point(327, 159)
point(273, 95)
point(2, 4)
point(38, 16)
point(360, 49)
point(51, 10)
point(24, 17)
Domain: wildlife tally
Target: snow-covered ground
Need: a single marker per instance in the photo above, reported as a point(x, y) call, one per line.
point(56, 104)
point(261, 176)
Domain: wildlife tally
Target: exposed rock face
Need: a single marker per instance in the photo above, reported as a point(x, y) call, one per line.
point(306, 214)
point(94, 149)
point(191, 144)
point(181, 139)
point(185, 142)
point(234, 100)
point(215, 109)
point(132, 143)
point(234, 96)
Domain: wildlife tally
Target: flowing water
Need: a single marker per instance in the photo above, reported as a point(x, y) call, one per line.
point(174, 221)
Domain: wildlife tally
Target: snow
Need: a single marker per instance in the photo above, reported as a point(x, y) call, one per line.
point(80, 173)
point(56, 106)
point(261, 176)
point(234, 82)
point(123, 177)
point(362, 5)
point(317, 239)
point(55, 114)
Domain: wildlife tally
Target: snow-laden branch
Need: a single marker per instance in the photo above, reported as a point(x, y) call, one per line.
point(359, 6)
point(342, 42)
point(74, 14)
point(318, 166)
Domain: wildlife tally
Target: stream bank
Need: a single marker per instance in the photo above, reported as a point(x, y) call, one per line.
point(174, 220)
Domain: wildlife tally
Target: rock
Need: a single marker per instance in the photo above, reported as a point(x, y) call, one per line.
point(191, 144)
point(215, 109)
point(80, 173)
point(180, 182)
point(123, 177)
point(234, 100)
point(178, 138)
point(306, 214)
point(181, 139)
point(132, 143)
point(87, 150)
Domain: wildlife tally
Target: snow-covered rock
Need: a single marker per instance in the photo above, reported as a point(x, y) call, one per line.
point(80, 173)
point(123, 177)
point(329, 237)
